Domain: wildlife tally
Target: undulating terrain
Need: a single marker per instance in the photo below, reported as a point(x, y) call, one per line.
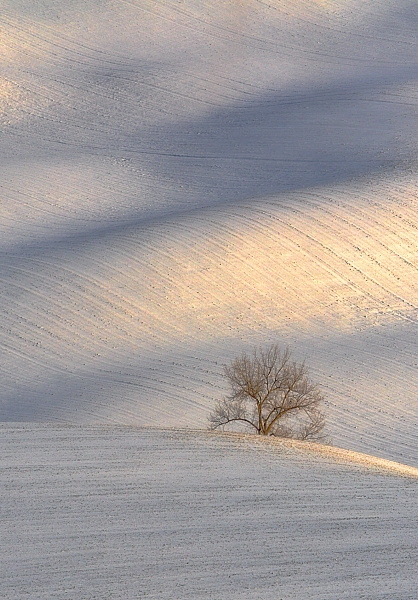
point(182, 180)
point(121, 513)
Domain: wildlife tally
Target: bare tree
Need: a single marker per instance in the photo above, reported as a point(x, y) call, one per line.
point(273, 395)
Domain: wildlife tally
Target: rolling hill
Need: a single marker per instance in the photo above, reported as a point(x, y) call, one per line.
point(181, 181)
point(124, 513)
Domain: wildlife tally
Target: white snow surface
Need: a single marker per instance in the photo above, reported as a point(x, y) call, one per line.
point(124, 513)
point(183, 180)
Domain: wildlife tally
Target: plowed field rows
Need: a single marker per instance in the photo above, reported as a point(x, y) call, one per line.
point(120, 513)
point(180, 181)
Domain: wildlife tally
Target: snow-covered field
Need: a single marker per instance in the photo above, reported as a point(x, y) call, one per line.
point(180, 181)
point(123, 513)
point(183, 180)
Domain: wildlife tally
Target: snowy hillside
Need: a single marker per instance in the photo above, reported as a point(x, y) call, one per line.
point(183, 180)
point(121, 514)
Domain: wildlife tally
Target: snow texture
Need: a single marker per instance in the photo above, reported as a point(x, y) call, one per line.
point(124, 513)
point(181, 181)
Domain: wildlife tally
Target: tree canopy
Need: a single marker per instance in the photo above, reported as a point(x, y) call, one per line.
point(272, 394)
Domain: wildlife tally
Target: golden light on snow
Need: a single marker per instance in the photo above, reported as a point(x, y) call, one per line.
point(185, 180)
point(181, 181)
